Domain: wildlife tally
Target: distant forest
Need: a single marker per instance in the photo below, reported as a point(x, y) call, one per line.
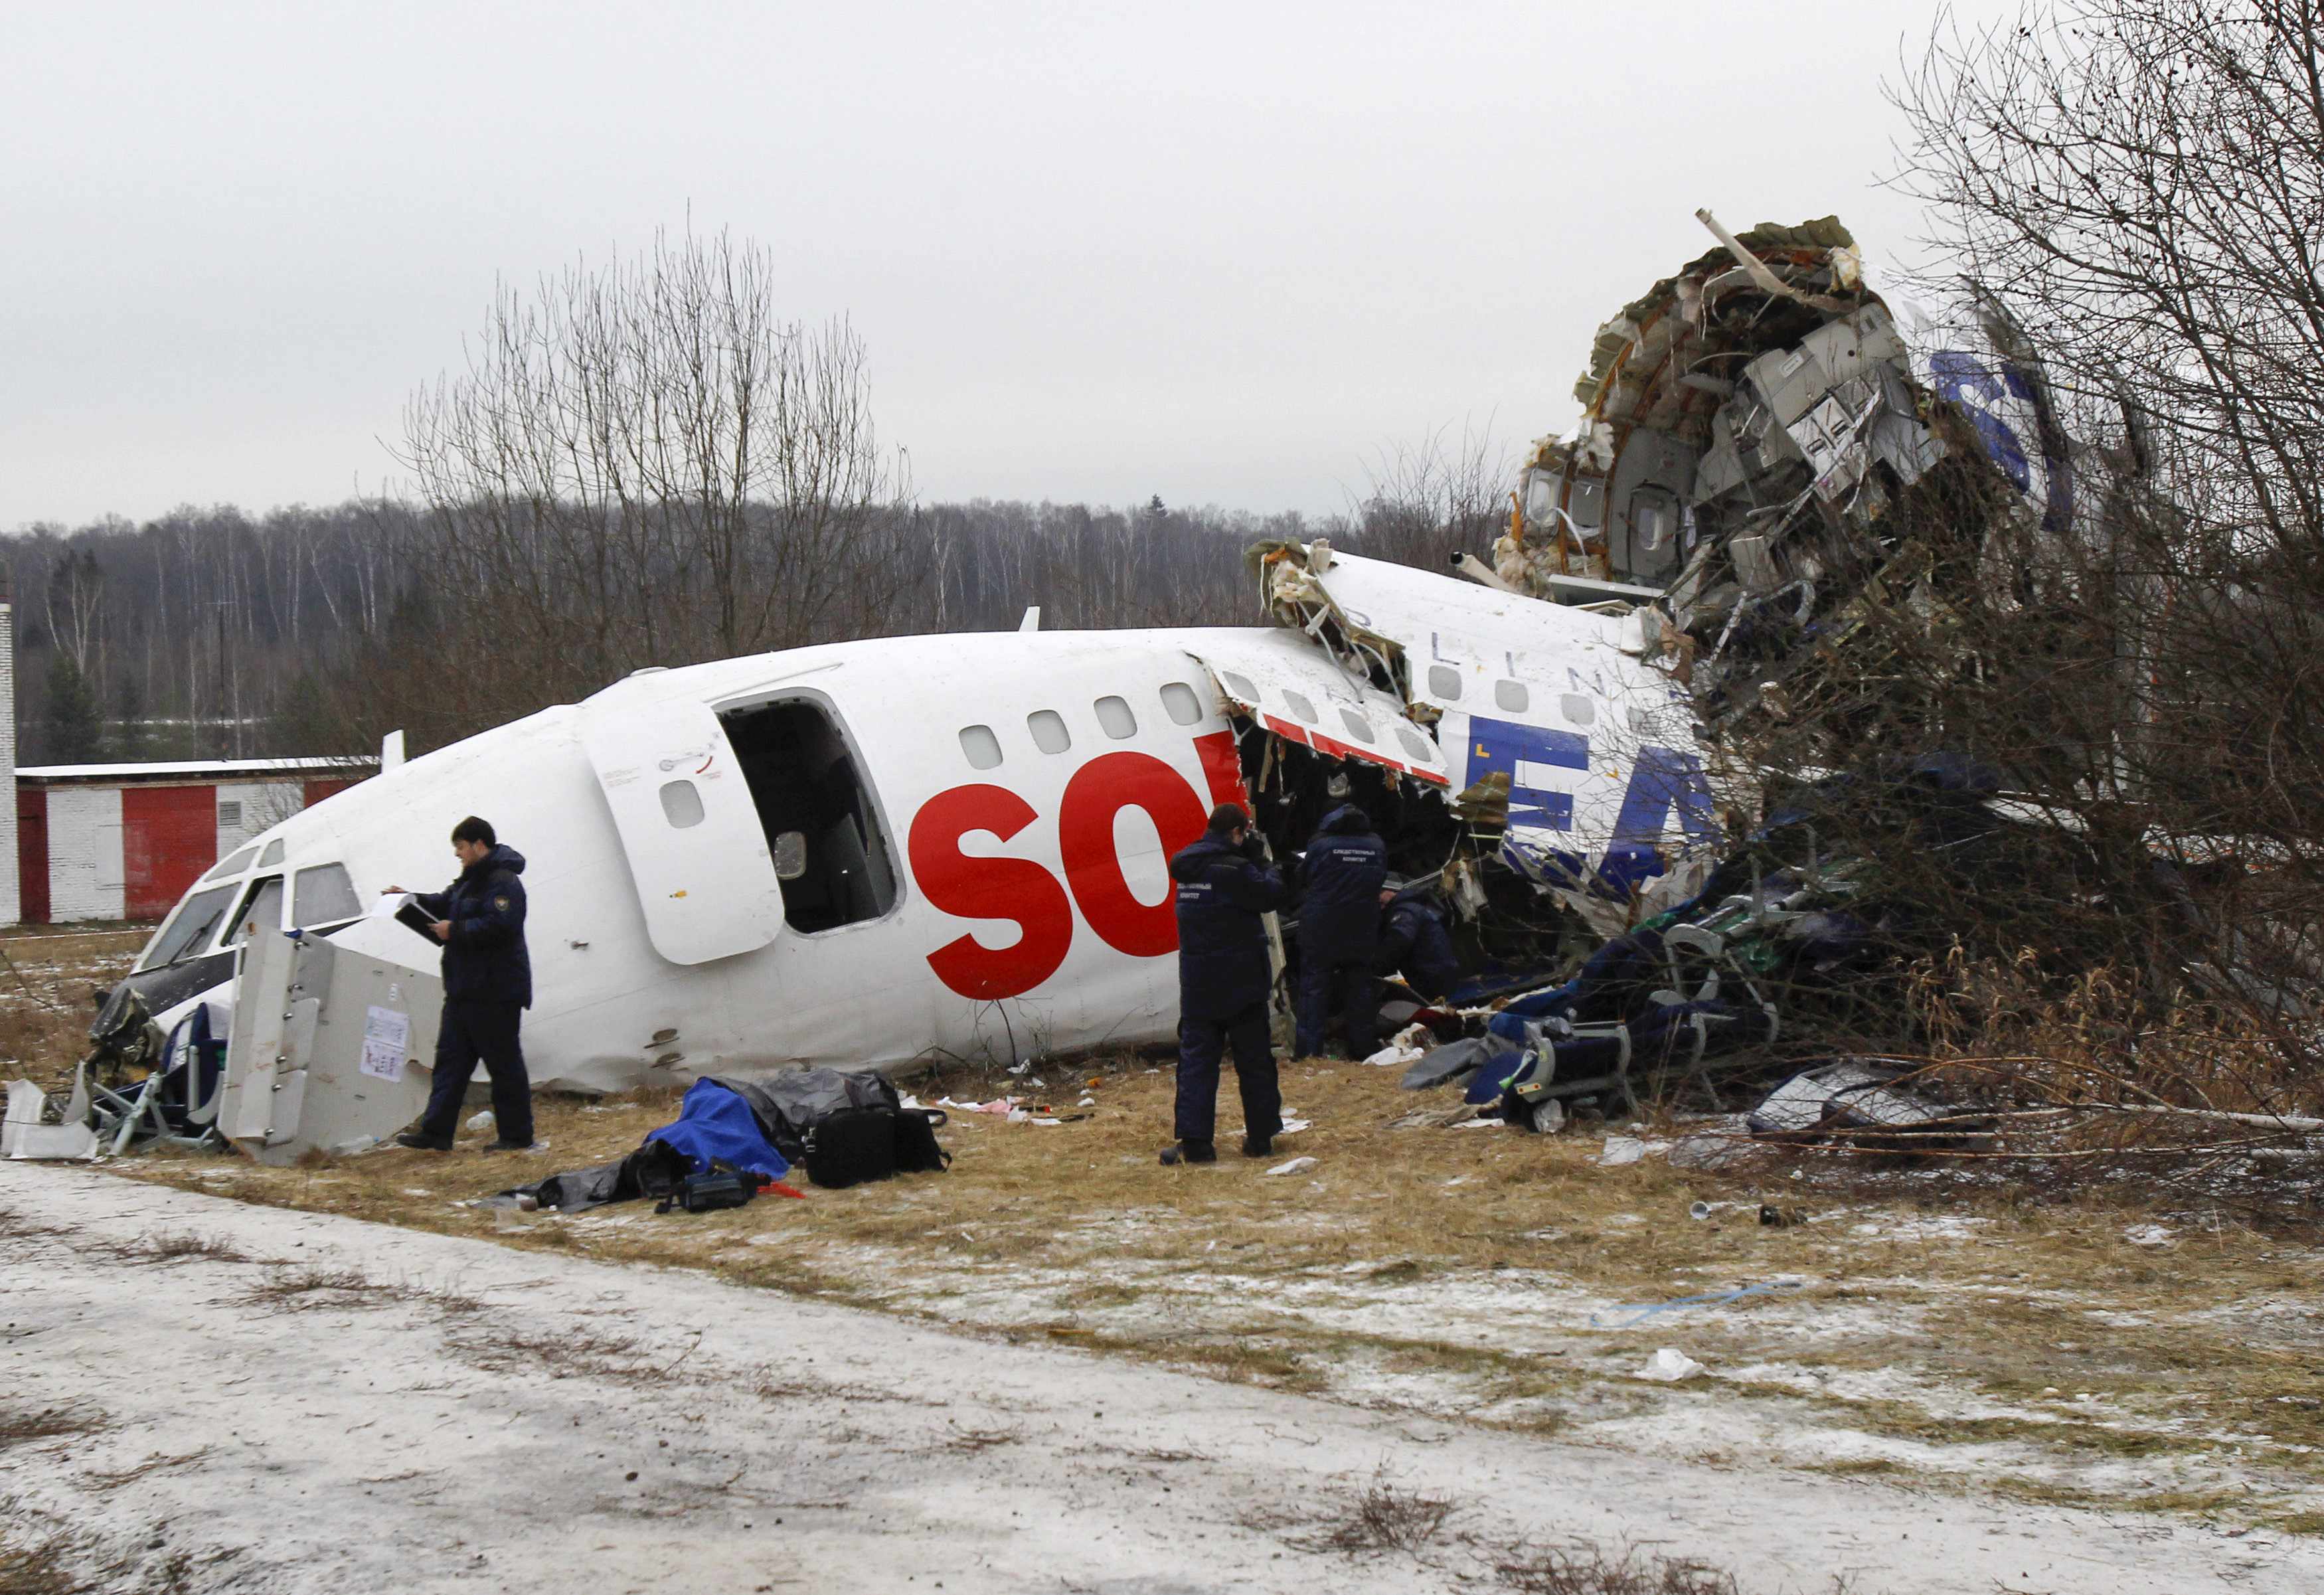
point(312, 632)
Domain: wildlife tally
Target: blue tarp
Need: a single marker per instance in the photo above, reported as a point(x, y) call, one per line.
point(715, 1121)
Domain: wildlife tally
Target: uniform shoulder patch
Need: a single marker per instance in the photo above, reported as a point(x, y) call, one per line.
point(500, 903)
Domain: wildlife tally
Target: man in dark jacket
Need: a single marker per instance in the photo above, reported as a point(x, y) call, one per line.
point(1223, 885)
point(488, 986)
point(1415, 942)
point(1339, 931)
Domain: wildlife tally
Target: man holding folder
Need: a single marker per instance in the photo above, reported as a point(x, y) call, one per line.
point(488, 986)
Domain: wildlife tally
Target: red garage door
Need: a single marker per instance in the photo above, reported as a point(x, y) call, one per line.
point(169, 836)
point(33, 854)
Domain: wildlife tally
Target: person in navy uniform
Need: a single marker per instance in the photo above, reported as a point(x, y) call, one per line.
point(1340, 876)
point(1224, 884)
point(488, 986)
point(1415, 941)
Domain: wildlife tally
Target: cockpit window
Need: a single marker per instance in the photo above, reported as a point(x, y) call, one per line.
point(261, 911)
point(234, 865)
point(322, 895)
point(189, 932)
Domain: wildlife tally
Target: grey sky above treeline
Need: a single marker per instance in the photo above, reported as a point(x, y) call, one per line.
point(1222, 252)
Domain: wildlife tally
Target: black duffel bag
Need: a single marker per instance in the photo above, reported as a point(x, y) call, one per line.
point(853, 1144)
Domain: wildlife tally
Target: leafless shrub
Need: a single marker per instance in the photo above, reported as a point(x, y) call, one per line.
point(571, 1353)
point(316, 1289)
point(1428, 501)
point(1588, 1570)
point(177, 1246)
point(1383, 1518)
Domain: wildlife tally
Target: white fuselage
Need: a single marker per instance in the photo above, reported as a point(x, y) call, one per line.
point(1004, 890)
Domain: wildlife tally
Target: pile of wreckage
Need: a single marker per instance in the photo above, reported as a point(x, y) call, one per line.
point(1785, 940)
point(1767, 461)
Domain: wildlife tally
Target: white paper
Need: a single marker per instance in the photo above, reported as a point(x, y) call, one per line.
point(387, 1036)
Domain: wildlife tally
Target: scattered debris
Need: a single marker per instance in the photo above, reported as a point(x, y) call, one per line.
point(1296, 1166)
point(1850, 1096)
point(1451, 1061)
point(1621, 1151)
point(25, 1133)
point(1670, 1366)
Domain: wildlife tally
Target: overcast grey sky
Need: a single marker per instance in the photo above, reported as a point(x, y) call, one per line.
point(1221, 250)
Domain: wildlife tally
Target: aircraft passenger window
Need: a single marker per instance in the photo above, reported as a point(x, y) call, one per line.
point(1541, 496)
point(1511, 695)
point(261, 910)
point(323, 894)
point(1049, 729)
point(231, 866)
point(1180, 702)
point(979, 746)
point(1578, 709)
point(681, 805)
point(805, 779)
point(190, 931)
point(1240, 686)
point(1650, 522)
point(1358, 727)
point(1415, 745)
point(1444, 681)
point(272, 855)
point(1301, 707)
point(1114, 718)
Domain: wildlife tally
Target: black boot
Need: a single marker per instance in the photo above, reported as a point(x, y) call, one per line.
point(1259, 1145)
point(419, 1142)
point(1189, 1152)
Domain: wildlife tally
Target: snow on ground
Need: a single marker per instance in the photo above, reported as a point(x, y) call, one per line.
point(326, 1404)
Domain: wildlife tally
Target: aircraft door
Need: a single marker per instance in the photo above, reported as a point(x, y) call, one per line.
point(705, 875)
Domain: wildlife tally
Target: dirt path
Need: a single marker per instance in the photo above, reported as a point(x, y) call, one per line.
point(282, 1401)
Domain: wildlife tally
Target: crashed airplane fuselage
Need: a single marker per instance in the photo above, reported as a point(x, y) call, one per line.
point(872, 851)
point(875, 851)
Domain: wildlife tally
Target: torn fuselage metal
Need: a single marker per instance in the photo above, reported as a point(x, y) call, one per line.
point(1769, 445)
point(1600, 793)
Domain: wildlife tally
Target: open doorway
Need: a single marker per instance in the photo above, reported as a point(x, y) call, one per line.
point(805, 782)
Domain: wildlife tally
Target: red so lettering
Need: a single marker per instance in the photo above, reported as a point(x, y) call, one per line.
point(1098, 793)
point(987, 887)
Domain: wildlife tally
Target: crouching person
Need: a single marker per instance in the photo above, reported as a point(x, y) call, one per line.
point(1223, 885)
point(488, 986)
point(1415, 941)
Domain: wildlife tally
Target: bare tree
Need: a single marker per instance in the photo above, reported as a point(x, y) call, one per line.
point(1433, 498)
point(647, 463)
point(2132, 192)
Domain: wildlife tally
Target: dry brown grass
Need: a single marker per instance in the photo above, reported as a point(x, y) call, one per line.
point(22, 1425)
point(1455, 1270)
point(44, 1003)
